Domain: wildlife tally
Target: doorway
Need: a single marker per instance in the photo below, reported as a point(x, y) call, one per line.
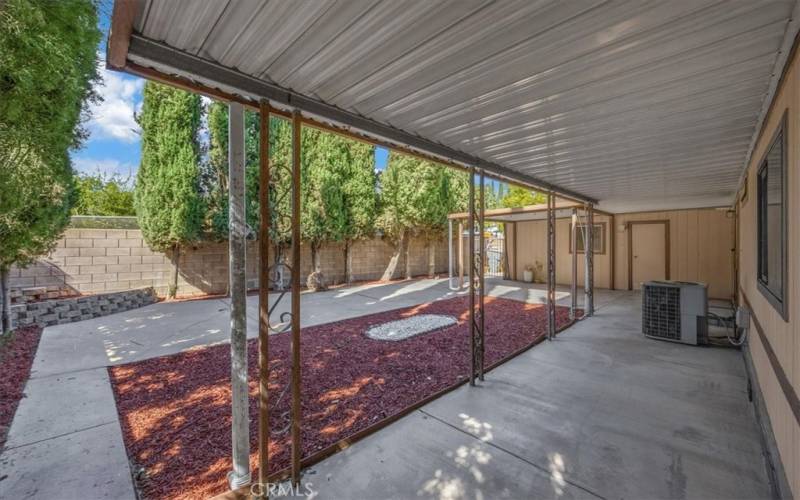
point(648, 251)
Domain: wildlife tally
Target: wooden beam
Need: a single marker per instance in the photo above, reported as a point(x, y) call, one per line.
point(119, 37)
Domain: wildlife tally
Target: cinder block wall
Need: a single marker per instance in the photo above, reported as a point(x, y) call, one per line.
point(89, 261)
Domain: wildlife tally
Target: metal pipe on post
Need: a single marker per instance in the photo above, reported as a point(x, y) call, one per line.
point(263, 300)
point(574, 249)
point(460, 254)
point(590, 263)
point(551, 266)
point(450, 263)
point(471, 273)
point(240, 428)
point(481, 274)
point(296, 375)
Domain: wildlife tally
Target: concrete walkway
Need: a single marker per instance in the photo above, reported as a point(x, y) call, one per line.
point(65, 441)
point(599, 412)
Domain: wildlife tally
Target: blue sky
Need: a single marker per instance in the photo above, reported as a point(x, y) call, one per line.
point(114, 145)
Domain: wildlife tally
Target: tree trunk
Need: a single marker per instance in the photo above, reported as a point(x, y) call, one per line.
point(315, 258)
point(391, 268)
point(431, 259)
point(407, 252)
point(173, 281)
point(348, 263)
point(5, 302)
point(277, 271)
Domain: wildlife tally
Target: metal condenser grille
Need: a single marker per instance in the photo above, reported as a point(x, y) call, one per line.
point(661, 312)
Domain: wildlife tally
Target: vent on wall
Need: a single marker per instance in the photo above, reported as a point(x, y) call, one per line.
point(675, 311)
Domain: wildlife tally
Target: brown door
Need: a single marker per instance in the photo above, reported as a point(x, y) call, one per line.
point(648, 252)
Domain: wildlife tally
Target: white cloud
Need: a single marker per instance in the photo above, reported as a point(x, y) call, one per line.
point(105, 166)
point(113, 117)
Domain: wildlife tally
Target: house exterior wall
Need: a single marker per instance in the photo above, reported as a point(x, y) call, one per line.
point(774, 343)
point(700, 247)
point(532, 248)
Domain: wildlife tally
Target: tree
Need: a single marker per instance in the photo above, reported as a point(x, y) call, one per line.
point(338, 199)
point(323, 159)
point(100, 194)
point(47, 70)
point(167, 195)
point(519, 197)
point(416, 197)
point(215, 175)
point(360, 197)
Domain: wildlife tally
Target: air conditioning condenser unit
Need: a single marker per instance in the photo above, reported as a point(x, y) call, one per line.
point(676, 311)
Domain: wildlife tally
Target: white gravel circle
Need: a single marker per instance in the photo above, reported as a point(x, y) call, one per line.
point(402, 329)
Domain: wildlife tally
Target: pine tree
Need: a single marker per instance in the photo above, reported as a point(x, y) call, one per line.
point(47, 69)
point(167, 196)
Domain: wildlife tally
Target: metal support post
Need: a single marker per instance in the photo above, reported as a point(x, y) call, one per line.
point(460, 254)
point(450, 264)
point(574, 249)
point(471, 277)
point(590, 263)
point(240, 428)
point(263, 300)
point(551, 266)
point(481, 264)
point(296, 375)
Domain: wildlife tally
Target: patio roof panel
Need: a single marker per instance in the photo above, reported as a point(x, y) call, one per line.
point(619, 101)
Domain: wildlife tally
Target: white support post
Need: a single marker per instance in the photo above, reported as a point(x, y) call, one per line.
point(240, 429)
point(574, 249)
point(450, 263)
point(551, 266)
point(590, 264)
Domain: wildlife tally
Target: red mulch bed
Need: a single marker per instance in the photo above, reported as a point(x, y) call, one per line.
point(175, 410)
point(16, 357)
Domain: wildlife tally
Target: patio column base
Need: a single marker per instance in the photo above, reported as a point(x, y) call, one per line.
point(235, 482)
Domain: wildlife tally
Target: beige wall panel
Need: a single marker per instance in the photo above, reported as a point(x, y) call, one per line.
point(532, 248)
point(782, 335)
point(700, 247)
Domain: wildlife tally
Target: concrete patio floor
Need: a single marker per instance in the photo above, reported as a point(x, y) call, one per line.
point(600, 412)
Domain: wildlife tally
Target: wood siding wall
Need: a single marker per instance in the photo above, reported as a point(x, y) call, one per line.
point(532, 248)
point(701, 247)
point(782, 337)
point(701, 244)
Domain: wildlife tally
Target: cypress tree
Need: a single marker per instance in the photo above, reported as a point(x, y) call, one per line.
point(47, 69)
point(416, 197)
point(167, 196)
point(360, 198)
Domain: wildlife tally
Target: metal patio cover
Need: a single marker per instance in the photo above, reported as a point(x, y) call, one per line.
point(638, 105)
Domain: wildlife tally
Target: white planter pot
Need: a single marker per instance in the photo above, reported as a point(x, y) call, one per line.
point(527, 276)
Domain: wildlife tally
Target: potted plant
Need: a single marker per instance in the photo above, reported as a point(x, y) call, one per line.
point(527, 274)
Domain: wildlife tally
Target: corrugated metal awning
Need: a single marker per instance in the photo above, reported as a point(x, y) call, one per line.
point(641, 104)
